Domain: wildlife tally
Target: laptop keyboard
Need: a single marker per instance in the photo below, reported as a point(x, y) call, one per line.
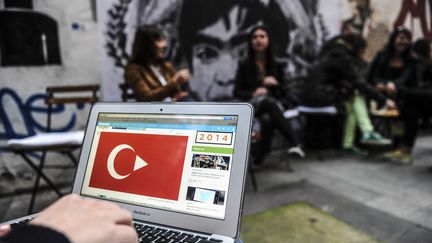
point(149, 233)
point(20, 223)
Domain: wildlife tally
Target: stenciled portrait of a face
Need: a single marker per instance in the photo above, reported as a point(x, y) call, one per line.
point(210, 37)
point(213, 38)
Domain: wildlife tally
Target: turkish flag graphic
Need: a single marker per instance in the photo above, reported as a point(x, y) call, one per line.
point(144, 164)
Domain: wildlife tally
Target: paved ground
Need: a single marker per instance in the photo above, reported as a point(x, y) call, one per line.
point(390, 202)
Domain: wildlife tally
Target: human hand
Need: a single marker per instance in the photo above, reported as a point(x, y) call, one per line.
point(4, 229)
point(260, 91)
point(88, 220)
point(391, 88)
point(181, 76)
point(270, 81)
point(390, 104)
point(180, 96)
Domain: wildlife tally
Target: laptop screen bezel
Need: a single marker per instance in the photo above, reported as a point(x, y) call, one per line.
point(234, 201)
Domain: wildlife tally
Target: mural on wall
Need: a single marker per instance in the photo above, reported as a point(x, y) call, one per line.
point(361, 18)
point(209, 37)
point(375, 19)
point(28, 110)
point(416, 10)
point(115, 35)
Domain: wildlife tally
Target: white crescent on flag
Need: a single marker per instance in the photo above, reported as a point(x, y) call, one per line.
point(139, 162)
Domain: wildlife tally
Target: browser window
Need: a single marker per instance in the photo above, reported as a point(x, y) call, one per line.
point(180, 163)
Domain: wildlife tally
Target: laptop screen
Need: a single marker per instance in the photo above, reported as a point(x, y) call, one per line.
point(179, 163)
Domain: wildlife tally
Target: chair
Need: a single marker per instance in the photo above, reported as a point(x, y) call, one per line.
point(60, 142)
point(318, 126)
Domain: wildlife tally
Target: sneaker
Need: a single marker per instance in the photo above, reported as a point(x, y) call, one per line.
point(373, 138)
point(355, 151)
point(297, 151)
point(399, 156)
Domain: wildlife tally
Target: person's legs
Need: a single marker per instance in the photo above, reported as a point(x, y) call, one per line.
point(271, 108)
point(416, 105)
point(410, 116)
point(362, 114)
point(350, 130)
point(350, 125)
point(362, 118)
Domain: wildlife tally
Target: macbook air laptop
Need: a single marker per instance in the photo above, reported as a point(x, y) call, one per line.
point(180, 168)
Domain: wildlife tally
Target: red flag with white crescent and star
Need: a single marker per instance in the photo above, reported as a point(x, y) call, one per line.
point(143, 164)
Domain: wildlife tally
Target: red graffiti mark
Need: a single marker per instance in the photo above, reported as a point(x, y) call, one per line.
point(417, 9)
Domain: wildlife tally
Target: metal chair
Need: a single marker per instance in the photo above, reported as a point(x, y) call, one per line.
point(60, 142)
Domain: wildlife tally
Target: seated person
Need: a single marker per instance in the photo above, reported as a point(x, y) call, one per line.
point(393, 66)
point(339, 78)
point(78, 220)
point(417, 97)
point(258, 81)
point(151, 77)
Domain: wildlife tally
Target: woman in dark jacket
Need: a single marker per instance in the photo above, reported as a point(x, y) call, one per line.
point(259, 80)
point(416, 101)
point(393, 67)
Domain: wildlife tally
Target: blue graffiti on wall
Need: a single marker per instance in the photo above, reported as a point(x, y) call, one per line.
point(27, 109)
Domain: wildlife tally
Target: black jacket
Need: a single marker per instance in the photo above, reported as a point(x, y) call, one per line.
point(419, 87)
point(336, 77)
point(247, 80)
point(380, 72)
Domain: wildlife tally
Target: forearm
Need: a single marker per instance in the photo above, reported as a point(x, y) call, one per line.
point(145, 93)
point(369, 91)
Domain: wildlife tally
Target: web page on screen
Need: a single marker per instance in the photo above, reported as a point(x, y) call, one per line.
point(179, 163)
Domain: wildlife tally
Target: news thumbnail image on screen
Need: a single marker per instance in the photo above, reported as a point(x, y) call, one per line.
point(207, 161)
point(207, 196)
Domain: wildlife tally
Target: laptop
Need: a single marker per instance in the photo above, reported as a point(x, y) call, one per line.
point(180, 168)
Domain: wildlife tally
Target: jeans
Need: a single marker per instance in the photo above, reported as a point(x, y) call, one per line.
point(357, 115)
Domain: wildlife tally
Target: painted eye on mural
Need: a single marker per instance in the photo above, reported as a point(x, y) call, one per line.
point(240, 52)
point(206, 53)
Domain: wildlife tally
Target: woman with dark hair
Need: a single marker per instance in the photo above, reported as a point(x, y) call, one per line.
point(151, 77)
point(417, 97)
point(259, 80)
point(392, 67)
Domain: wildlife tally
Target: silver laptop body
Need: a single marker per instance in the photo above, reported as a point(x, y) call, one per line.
point(178, 166)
